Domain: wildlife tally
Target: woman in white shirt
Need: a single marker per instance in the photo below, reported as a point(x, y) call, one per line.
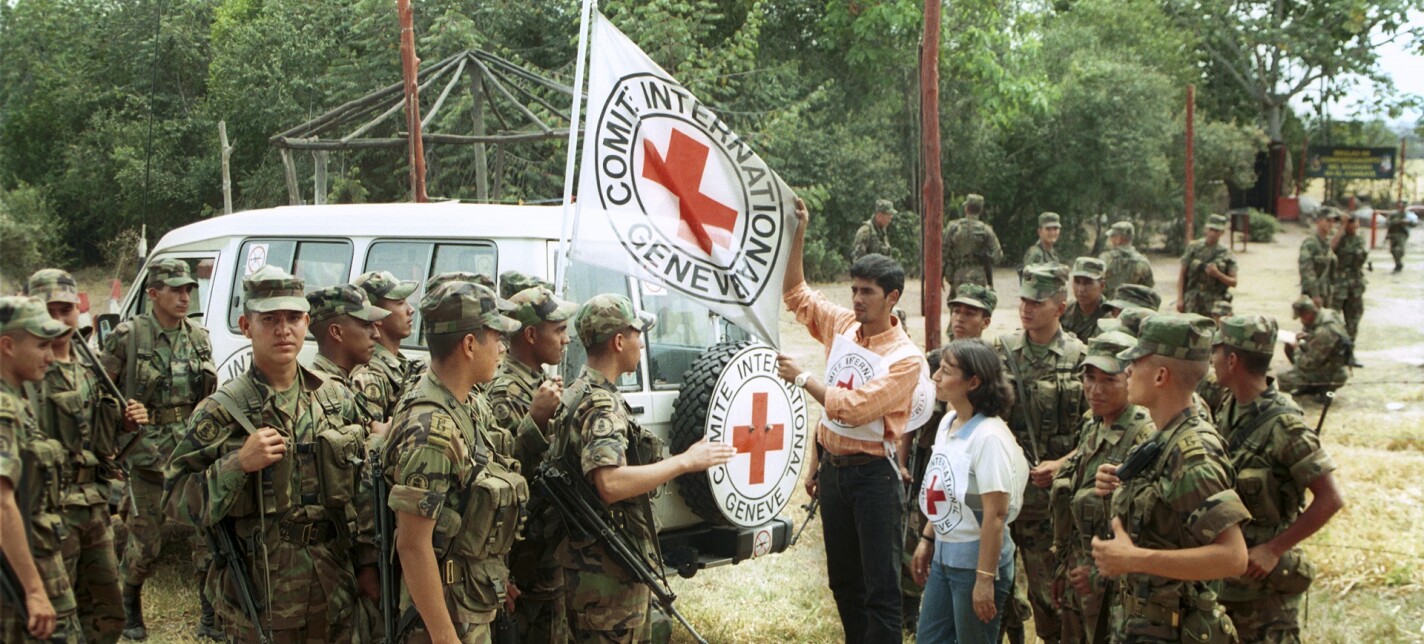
point(973, 487)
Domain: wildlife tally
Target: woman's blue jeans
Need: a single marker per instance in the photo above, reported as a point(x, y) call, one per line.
point(947, 607)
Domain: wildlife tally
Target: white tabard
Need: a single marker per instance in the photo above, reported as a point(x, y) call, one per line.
point(850, 366)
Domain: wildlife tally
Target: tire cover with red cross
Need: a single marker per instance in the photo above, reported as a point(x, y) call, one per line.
point(732, 394)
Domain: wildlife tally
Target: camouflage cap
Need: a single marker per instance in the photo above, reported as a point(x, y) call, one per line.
point(457, 306)
point(170, 272)
point(459, 276)
point(345, 299)
point(29, 314)
point(1103, 350)
point(1123, 228)
point(1129, 321)
point(538, 304)
point(974, 200)
point(1129, 295)
point(1088, 267)
point(884, 205)
point(272, 289)
point(1043, 281)
point(511, 282)
point(1254, 333)
point(1216, 222)
point(1221, 309)
point(975, 295)
point(1303, 304)
point(1184, 336)
point(605, 315)
point(1049, 220)
point(53, 285)
point(383, 285)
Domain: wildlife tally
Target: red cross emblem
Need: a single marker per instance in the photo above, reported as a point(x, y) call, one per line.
point(848, 383)
point(934, 496)
point(681, 173)
point(757, 439)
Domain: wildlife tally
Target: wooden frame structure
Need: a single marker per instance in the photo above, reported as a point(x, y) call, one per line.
point(525, 105)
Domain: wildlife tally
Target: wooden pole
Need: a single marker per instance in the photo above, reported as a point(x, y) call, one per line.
point(477, 114)
point(1191, 169)
point(410, 70)
point(1300, 180)
point(933, 191)
point(319, 177)
point(226, 167)
point(1403, 163)
point(289, 170)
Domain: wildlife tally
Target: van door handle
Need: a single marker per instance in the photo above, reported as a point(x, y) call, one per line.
point(636, 410)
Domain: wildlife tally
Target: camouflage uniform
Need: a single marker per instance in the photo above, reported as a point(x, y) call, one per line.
point(1317, 268)
point(73, 410)
point(595, 428)
point(1322, 359)
point(1044, 420)
point(871, 238)
point(511, 282)
point(1133, 295)
point(1037, 253)
point(380, 380)
point(533, 563)
point(1398, 237)
point(1202, 290)
point(328, 303)
point(968, 245)
point(977, 296)
point(1348, 296)
point(1183, 499)
point(1125, 264)
point(1276, 457)
point(1074, 320)
point(292, 518)
point(35, 467)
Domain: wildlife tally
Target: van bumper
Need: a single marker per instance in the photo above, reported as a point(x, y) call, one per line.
point(689, 550)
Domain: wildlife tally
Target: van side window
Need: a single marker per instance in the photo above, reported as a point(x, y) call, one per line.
point(585, 281)
point(319, 263)
point(419, 260)
point(202, 269)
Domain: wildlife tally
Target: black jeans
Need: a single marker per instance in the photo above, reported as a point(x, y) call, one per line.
point(862, 507)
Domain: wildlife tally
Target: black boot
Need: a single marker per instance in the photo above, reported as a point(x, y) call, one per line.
point(133, 613)
point(208, 623)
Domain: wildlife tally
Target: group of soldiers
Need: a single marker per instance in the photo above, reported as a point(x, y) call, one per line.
point(286, 470)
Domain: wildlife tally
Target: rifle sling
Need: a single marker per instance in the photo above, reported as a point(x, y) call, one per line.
point(1030, 415)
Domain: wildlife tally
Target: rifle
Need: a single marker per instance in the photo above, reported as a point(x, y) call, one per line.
point(390, 578)
point(12, 592)
point(584, 516)
point(1137, 460)
point(1030, 418)
point(810, 509)
point(1329, 400)
point(222, 541)
point(94, 365)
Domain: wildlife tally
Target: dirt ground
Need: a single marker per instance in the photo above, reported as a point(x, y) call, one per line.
point(1369, 556)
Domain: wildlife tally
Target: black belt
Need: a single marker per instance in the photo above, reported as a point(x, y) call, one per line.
point(851, 460)
point(306, 533)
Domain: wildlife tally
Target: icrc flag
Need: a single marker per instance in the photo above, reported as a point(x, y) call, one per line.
point(669, 194)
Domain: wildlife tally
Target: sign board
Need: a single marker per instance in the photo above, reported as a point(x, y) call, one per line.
point(1335, 162)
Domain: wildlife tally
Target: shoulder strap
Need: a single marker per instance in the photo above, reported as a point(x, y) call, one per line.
point(1030, 411)
point(1244, 436)
point(231, 406)
point(131, 359)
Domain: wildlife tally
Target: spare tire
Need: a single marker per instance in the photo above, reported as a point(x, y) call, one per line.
point(732, 394)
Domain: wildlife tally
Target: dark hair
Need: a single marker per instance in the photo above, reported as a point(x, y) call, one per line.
point(1256, 364)
point(885, 272)
point(973, 207)
point(441, 345)
point(993, 396)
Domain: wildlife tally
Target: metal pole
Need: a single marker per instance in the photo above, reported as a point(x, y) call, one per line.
point(1191, 170)
point(410, 70)
point(570, 223)
point(933, 192)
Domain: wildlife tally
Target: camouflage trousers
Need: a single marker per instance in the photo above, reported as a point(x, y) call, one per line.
point(50, 562)
point(12, 630)
point(540, 609)
point(603, 605)
point(1034, 540)
point(468, 634)
point(1200, 302)
point(316, 633)
point(1310, 382)
point(1271, 618)
point(1396, 248)
point(1080, 613)
point(1351, 304)
point(145, 525)
point(90, 562)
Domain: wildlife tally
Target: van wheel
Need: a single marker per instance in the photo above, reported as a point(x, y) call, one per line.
point(719, 393)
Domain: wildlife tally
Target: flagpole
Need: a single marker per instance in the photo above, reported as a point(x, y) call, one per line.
point(566, 229)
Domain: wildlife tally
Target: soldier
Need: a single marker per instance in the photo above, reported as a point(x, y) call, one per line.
point(1317, 260)
point(1125, 264)
point(1208, 270)
point(74, 411)
point(163, 360)
point(970, 248)
point(1081, 318)
point(1041, 252)
point(457, 505)
point(523, 400)
point(1112, 427)
point(1277, 457)
point(1321, 354)
point(1398, 236)
point(1042, 361)
point(273, 455)
point(30, 504)
point(344, 324)
point(1184, 515)
point(874, 234)
point(1220, 311)
point(1348, 292)
point(380, 380)
point(597, 438)
point(970, 312)
point(1132, 295)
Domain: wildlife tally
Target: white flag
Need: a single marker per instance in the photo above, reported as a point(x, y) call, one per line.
point(670, 195)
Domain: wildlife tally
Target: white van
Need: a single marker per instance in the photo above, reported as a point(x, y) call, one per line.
point(329, 245)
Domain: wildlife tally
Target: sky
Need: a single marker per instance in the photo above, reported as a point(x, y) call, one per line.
point(1401, 63)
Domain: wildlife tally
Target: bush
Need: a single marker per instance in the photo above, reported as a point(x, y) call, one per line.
point(823, 262)
point(1263, 227)
point(31, 236)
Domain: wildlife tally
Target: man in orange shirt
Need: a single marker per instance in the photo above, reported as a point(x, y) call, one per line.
point(872, 371)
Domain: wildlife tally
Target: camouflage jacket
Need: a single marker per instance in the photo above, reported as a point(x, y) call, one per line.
point(1198, 256)
point(170, 371)
point(1185, 499)
point(1079, 514)
point(441, 467)
point(1125, 265)
point(333, 372)
point(511, 394)
point(380, 382)
point(1037, 254)
point(1045, 417)
point(35, 466)
point(1350, 256)
point(870, 239)
point(1080, 324)
point(968, 244)
point(1398, 226)
point(294, 515)
point(73, 410)
point(1323, 352)
point(1317, 267)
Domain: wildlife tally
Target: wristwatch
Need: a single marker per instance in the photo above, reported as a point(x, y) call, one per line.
point(801, 379)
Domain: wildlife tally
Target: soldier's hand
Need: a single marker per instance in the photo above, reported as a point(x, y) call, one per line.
point(813, 485)
point(546, 400)
point(379, 428)
point(42, 616)
point(1079, 579)
point(705, 454)
point(368, 578)
point(1105, 481)
point(802, 214)
point(1114, 556)
point(1261, 561)
point(135, 414)
point(261, 449)
point(511, 593)
point(786, 367)
point(1319, 303)
point(1042, 474)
